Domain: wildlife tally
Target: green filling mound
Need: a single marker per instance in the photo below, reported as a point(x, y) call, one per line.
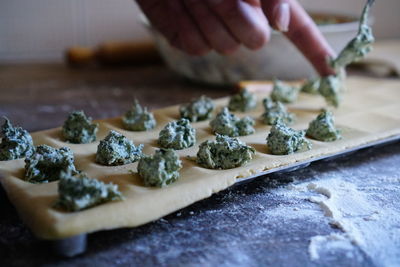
point(177, 135)
point(138, 118)
point(284, 93)
point(79, 129)
point(331, 88)
point(311, 86)
point(283, 140)
point(116, 149)
point(243, 101)
point(197, 110)
point(275, 111)
point(360, 45)
point(226, 123)
point(224, 153)
point(78, 192)
point(160, 169)
point(47, 164)
point(323, 128)
point(15, 143)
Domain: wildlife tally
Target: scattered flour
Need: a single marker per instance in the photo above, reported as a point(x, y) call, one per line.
point(320, 244)
point(344, 204)
point(364, 222)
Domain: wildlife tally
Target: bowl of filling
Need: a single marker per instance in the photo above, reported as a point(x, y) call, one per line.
point(277, 59)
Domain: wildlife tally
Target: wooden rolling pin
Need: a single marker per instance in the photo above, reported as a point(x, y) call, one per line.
point(113, 54)
point(260, 86)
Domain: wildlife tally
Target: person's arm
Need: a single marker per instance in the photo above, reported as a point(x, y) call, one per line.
point(198, 26)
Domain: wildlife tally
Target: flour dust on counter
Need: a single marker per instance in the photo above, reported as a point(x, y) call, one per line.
point(365, 221)
point(361, 211)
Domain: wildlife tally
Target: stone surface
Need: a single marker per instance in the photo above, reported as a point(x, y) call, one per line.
point(250, 224)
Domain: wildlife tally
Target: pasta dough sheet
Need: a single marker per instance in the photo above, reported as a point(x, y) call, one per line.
point(370, 112)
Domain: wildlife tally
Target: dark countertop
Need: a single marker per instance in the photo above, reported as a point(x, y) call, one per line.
point(251, 224)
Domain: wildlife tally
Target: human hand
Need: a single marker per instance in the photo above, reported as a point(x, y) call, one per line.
point(198, 26)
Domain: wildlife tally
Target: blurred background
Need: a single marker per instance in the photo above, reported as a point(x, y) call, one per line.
point(41, 30)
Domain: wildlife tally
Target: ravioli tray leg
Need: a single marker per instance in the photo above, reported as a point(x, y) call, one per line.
point(71, 246)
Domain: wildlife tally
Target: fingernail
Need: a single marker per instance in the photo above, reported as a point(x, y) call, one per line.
point(282, 17)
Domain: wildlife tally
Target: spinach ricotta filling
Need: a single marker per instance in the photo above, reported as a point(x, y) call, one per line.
point(243, 101)
point(275, 111)
point(79, 192)
point(198, 109)
point(323, 128)
point(311, 86)
point(224, 153)
point(283, 140)
point(138, 118)
point(160, 169)
point(177, 135)
point(360, 45)
point(47, 164)
point(331, 87)
point(284, 93)
point(226, 123)
point(15, 142)
point(116, 149)
point(79, 129)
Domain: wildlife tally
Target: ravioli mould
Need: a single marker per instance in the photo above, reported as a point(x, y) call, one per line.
point(369, 116)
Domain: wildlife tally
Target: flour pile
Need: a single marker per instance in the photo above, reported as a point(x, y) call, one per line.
point(365, 218)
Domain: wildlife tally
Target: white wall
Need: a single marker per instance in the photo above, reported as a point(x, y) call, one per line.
point(40, 30)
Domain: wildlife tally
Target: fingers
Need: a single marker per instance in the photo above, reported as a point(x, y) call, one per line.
point(303, 32)
point(170, 18)
point(214, 31)
point(197, 26)
point(278, 13)
point(190, 37)
point(244, 20)
point(161, 19)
